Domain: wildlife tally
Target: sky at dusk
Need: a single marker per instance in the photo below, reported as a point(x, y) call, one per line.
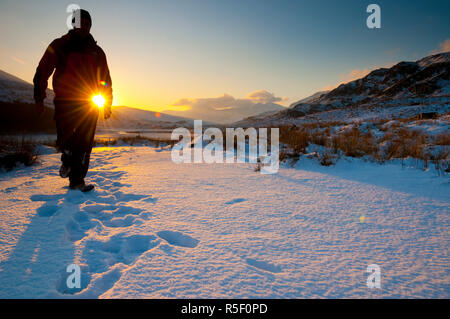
point(169, 54)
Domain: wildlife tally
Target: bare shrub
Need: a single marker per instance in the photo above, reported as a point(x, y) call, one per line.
point(353, 143)
point(397, 142)
point(15, 150)
point(131, 140)
point(442, 139)
point(441, 161)
point(404, 143)
point(297, 138)
point(327, 158)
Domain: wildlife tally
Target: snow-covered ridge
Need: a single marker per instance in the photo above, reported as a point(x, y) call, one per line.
point(437, 58)
point(427, 77)
point(310, 98)
point(14, 89)
point(424, 83)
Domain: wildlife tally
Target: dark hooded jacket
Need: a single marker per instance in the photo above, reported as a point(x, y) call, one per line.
point(81, 70)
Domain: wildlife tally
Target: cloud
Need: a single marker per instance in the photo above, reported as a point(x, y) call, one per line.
point(15, 59)
point(226, 108)
point(262, 96)
point(443, 47)
point(207, 104)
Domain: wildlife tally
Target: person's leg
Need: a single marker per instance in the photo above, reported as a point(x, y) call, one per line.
point(65, 127)
point(89, 133)
point(82, 144)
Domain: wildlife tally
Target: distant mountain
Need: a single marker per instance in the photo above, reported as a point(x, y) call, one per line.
point(424, 83)
point(124, 117)
point(427, 77)
point(15, 91)
point(230, 115)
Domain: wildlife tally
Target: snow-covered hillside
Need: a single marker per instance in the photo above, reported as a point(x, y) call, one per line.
point(422, 86)
point(154, 229)
point(13, 89)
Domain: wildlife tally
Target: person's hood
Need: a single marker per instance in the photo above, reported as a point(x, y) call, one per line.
point(89, 39)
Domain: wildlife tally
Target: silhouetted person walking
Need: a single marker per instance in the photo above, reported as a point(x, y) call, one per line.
point(81, 73)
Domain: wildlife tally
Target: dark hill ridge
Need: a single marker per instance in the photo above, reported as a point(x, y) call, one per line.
point(14, 89)
point(18, 113)
point(405, 88)
point(424, 78)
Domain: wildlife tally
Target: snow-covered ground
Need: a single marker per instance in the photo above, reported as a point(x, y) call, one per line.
point(156, 229)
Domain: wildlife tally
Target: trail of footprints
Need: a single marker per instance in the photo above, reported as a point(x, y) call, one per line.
point(94, 214)
point(106, 208)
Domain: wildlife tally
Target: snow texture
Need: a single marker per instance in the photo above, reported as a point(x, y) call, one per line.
point(155, 229)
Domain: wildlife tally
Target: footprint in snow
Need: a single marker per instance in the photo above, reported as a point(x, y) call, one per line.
point(103, 261)
point(263, 265)
point(124, 221)
point(235, 201)
point(101, 255)
point(120, 196)
point(178, 239)
point(77, 228)
point(47, 210)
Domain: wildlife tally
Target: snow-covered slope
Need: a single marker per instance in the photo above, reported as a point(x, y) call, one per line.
point(437, 58)
point(427, 77)
point(13, 89)
point(424, 83)
point(156, 229)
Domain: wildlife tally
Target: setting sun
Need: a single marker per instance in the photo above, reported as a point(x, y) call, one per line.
point(98, 100)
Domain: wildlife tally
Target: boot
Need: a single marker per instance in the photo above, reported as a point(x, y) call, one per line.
point(82, 186)
point(65, 169)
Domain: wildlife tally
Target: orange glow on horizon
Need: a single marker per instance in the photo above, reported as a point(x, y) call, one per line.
point(152, 106)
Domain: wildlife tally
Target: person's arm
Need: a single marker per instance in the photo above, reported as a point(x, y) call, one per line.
point(43, 72)
point(106, 85)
